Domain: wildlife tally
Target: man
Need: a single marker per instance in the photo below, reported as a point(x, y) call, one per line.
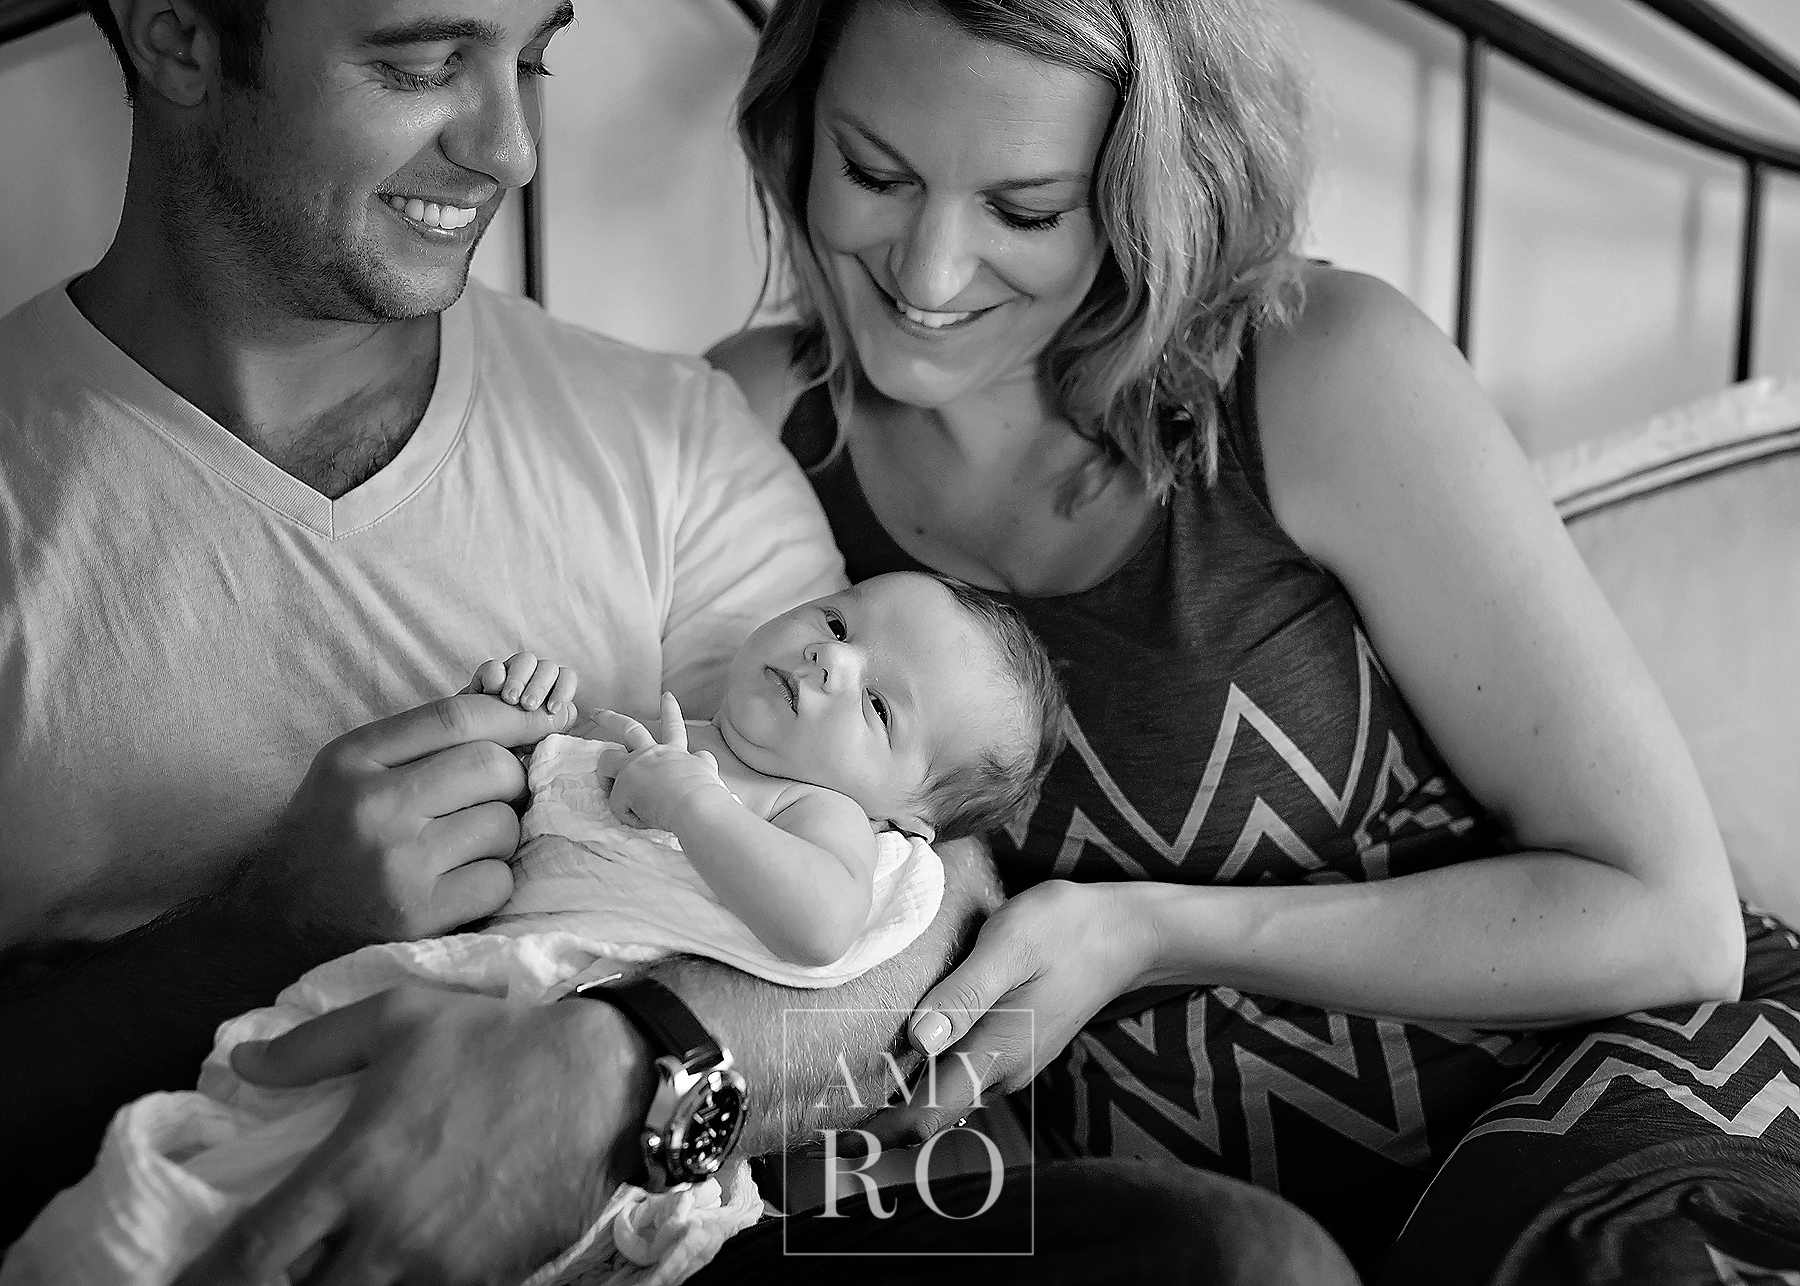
point(267, 477)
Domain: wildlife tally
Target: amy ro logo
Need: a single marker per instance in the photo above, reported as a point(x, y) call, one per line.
point(953, 1194)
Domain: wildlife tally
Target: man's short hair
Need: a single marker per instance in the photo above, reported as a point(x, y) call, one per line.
point(240, 24)
point(1001, 786)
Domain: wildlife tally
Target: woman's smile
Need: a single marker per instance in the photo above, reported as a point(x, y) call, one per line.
point(927, 323)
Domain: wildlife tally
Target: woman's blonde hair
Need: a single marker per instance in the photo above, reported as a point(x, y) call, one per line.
point(1199, 192)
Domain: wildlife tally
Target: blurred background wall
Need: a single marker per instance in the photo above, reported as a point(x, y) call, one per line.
point(1608, 255)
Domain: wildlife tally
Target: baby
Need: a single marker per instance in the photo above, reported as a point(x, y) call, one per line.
point(908, 703)
point(853, 729)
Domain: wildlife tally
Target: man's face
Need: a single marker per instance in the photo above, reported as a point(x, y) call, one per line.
point(352, 181)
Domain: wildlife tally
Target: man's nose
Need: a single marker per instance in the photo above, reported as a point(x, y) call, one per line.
point(497, 136)
point(938, 259)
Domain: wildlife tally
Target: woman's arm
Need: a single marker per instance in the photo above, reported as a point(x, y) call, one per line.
point(1388, 465)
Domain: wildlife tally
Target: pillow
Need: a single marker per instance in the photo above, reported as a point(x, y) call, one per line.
point(1691, 525)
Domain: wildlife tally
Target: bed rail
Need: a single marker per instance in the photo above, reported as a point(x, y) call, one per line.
point(1487, 25)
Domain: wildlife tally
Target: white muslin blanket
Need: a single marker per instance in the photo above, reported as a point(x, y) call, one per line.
point(176, 1169)
point(581, 870)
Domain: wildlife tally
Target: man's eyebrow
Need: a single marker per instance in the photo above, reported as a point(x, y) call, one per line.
point(874, 140)
point(445, 30)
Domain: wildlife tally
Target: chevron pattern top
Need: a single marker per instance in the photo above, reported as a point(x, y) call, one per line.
point(1232, 724)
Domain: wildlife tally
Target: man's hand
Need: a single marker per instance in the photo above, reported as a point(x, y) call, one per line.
point(482, 1141)
point(401, 828)
point(655, 778)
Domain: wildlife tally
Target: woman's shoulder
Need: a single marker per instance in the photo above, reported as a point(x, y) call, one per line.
point(1359, 380)
point(760, 361)
point(1343, 319)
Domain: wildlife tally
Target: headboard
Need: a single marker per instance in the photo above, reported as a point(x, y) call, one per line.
point(1487, 27)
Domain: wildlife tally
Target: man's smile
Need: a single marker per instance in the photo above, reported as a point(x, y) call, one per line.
point(435, 216)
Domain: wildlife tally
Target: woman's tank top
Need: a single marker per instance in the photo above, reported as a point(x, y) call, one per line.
point(1231, 724)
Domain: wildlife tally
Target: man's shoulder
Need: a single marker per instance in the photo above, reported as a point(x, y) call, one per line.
point(24, 338)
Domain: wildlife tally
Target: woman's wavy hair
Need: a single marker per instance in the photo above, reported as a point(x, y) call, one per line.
point(1199, 192)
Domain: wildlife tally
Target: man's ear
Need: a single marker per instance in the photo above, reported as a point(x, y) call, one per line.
point(174, 48)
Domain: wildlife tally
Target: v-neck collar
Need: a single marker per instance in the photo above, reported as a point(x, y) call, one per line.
point(162, 409)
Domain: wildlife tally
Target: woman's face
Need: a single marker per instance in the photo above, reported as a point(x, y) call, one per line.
point(950, 201)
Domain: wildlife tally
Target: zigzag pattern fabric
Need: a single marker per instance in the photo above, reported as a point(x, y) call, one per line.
point(1345, 1115)
point(1233, 724)
point(1657, 1149)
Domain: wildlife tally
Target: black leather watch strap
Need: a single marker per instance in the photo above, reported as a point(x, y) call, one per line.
point(662, 1016)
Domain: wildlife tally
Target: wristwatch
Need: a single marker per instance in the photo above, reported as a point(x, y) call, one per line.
point(698, 1109)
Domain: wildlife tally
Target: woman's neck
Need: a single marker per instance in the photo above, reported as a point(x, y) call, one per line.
point(1005, 433)
point(998, 490)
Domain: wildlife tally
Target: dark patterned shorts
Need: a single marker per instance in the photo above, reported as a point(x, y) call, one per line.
point(1654, 1149)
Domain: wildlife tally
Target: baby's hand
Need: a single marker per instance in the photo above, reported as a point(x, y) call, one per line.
point(655, 779)
point(524, 681)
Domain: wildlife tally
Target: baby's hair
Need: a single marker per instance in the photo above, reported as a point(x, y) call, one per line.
point(1002, 785)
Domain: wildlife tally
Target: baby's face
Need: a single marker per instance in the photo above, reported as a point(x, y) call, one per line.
point(869, 692)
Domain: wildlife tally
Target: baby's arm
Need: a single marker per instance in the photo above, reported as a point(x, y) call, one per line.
point(802, 882)
point(524, 681)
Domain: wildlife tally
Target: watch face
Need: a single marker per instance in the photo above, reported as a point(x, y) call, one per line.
point(714, 1123)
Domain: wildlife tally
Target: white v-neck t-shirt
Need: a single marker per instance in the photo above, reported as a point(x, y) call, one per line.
point(183, 625)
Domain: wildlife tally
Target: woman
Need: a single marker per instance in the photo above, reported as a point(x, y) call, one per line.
point(1365, 780)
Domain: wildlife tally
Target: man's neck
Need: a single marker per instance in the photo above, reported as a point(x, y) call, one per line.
point(328, 402)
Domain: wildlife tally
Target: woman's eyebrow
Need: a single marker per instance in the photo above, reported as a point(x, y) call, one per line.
point(874, 140)
point(444, 30)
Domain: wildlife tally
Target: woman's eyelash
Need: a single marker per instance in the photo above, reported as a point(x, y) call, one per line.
point(1029, 222)
point(1022, 222)
point(863, 179)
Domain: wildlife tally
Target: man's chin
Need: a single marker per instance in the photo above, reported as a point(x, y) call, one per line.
point(398, 295)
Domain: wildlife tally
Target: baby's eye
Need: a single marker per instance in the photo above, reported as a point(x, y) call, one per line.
point(881, 709)
point(835, 624)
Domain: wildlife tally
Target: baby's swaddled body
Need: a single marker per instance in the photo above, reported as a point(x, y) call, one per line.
point(583, 871)
point(590, 894)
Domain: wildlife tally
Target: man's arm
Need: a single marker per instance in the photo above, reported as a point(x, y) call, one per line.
point(790, 1054)
point(124, 1019)
point(395, 832)
point(483, 1139)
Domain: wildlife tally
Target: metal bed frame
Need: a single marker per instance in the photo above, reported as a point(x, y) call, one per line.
point(1486, 26)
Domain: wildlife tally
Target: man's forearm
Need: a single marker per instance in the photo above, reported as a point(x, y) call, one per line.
point(127, 1018)
point(793, 1067)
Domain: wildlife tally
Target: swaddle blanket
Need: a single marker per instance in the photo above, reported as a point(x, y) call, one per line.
point(176, 1169)
point(583, 871)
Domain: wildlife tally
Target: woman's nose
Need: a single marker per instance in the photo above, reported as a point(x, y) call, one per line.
point(937, 259)
point(496, 134)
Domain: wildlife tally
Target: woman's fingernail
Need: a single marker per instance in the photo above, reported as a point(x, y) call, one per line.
point(932, 1032)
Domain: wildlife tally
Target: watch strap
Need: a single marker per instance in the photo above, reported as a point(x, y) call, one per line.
point(662, 1016)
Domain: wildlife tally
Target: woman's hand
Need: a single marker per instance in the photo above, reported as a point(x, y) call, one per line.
point(1044, 963)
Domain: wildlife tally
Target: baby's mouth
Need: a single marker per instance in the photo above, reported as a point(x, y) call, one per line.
point(788, 687)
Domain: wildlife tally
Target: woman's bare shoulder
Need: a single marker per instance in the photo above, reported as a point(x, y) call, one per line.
point(1345, 318)
point(760, 360)
point(1361, 380)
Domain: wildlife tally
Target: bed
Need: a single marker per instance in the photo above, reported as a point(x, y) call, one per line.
point(1691, 521)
